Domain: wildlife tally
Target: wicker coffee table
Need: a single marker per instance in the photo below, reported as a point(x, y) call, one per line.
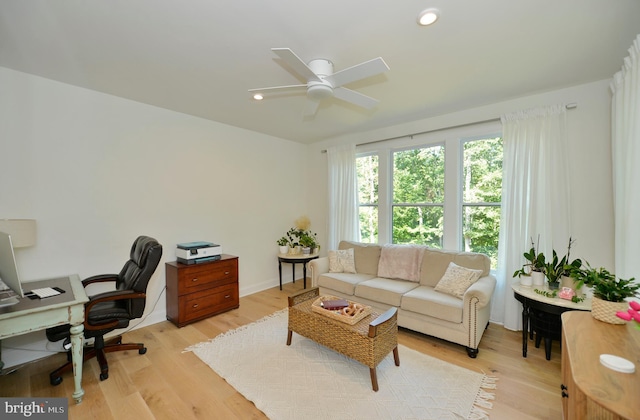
point(368, 342)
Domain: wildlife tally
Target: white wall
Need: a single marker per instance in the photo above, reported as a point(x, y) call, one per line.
point(590, 145)
point(96, 171)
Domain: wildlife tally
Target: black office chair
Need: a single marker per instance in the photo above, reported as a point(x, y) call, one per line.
point(112, 310)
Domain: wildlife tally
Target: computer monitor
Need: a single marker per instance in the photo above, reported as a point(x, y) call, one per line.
point(8, 268)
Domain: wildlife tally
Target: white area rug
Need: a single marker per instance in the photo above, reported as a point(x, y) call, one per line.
point(308, 381)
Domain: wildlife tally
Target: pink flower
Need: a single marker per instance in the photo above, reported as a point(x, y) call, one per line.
point(635, 305)
point(624, 315)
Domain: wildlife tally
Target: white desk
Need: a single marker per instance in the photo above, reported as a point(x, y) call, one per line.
point(38, 314)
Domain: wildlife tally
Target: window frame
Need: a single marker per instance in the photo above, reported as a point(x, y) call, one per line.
point(453, 140)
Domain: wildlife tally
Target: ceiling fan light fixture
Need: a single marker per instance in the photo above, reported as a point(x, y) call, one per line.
point(428, 17)
point(258, 96)
point(320, 91)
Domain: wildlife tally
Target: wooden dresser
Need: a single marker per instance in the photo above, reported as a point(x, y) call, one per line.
point(590, 390)
point(198, 291)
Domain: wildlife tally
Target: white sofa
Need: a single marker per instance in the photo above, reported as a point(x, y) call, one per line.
point(420, 307)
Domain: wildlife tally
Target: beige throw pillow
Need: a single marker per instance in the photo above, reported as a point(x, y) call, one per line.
point(457, 280)
point(342, 261)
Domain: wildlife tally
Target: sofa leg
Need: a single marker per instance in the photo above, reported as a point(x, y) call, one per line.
point(472, 352)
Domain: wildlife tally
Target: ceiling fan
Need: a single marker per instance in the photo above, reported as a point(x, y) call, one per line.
point(323, 83)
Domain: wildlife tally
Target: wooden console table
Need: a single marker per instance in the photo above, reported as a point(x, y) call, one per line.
point(590, 390)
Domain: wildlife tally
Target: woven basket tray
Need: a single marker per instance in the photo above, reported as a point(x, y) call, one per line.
point(337, 315)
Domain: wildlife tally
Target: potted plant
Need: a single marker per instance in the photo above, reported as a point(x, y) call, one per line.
point(533, 268)
point(308, 241)
point(293, 235)
point(609, 292)
point(283, 243)
point(557, 268)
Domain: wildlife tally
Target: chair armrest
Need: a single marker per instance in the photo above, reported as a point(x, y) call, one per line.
point(107, 297)
point(100, 278)
point(318, 267)
point(482, 290)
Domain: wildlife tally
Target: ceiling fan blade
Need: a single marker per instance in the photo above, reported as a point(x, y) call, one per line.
point(272, 88)
point(357, 72)
point(296, 63)
point(311, 108)
point(355, 98)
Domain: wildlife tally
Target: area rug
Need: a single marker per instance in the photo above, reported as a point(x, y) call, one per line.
point(309, 381)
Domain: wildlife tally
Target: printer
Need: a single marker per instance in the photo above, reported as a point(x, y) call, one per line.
point(198, 252)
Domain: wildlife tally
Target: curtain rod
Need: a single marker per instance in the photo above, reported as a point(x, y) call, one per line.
point(572, 105)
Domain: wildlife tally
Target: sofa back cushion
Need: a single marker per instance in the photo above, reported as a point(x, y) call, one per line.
point(436, 261)
point(366, 256)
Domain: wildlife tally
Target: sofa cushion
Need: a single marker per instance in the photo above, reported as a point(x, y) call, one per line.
point(436, 261)
point(401, 262)
point(426, 301)
point(384, 290)
point(342, 282)
point(341, 261)
point(366, 256)
point(457, 280)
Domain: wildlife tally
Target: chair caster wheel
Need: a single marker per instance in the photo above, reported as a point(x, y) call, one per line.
point(142, 350)
point(55, 380)
point(104, 376)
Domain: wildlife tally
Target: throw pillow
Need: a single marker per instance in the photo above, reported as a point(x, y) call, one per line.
point(457, 280)
point(342, 261)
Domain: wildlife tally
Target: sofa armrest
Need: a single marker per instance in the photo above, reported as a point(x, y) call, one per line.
point(318, 267)
point(482, 290)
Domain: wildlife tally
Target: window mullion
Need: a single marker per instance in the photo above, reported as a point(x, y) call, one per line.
point(452, 195)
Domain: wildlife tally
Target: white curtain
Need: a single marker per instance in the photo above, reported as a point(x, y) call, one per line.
point(343, 195)
point(625, 135)
point(535, 198)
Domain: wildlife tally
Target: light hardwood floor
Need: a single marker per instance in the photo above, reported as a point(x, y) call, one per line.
point(167, 383)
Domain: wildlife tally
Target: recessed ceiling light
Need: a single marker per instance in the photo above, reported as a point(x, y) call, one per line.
point(258, 97)
point(428, 16)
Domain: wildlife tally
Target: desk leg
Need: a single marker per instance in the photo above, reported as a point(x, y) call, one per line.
point(525, 329)
point(293, 272)
point(280, 271)
point(76, 354)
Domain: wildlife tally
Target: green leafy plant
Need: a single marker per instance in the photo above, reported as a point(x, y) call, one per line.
point(606, 285)
point(535, 262)
point(557, 267)
point(283, 241)
point(308, 239)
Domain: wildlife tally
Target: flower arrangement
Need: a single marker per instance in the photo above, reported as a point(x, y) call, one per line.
point(633, 313)
point(300, 235)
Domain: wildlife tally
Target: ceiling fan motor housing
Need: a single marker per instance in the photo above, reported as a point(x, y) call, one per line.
point(319, 90)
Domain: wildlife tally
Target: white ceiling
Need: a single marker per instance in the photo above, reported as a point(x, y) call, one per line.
point(199, 57)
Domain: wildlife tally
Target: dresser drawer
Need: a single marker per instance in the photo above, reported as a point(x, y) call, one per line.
point(208, 302)
point(196, 278)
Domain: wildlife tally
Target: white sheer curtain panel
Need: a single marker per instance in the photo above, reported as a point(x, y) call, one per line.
point(625, 137)
point(343, 195)
point(535, 198)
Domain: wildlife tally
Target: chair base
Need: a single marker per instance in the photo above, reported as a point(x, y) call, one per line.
point(98, 351)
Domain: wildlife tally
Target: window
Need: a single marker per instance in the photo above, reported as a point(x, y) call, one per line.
point(481, 196)
point(418, 196)
point(444, 193)
point(367, 167)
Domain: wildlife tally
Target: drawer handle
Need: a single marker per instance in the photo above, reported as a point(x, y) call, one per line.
point(227, 296)
point(195, 306)
point(226, 273)
point(195, 279)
